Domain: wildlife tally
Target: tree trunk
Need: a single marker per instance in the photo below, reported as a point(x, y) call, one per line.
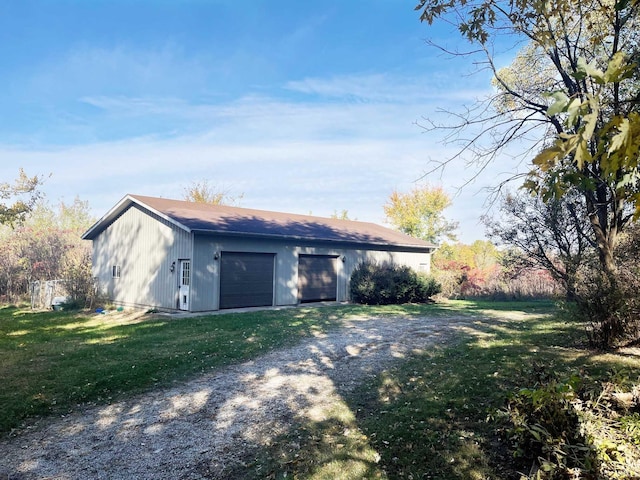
point(605, 240)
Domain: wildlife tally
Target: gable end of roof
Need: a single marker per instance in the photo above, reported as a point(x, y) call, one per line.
point(120, 208)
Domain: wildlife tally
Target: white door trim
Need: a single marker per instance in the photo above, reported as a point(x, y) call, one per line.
point(184, 284)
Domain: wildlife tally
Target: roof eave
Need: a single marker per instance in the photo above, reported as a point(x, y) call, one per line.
point(425, 248)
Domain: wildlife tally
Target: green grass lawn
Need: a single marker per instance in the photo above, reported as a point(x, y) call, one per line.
point(429, 416)
point(52, 361)
point(433, 416)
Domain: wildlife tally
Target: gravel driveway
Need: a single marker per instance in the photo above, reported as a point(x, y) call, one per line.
point(205, 428)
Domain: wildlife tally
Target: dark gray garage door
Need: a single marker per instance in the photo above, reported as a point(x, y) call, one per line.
point(246, 279)
point(317, 278)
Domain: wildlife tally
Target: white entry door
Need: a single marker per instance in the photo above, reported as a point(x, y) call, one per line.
point(185, 282)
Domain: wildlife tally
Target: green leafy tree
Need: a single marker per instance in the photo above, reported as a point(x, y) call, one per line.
point(204, 192)
point(574, 88)
point(17, 199)
point(596, 153)
point(572, 92)
point(419, 213)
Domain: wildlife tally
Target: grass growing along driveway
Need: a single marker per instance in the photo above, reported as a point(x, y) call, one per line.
point(432, 416)
point(52, 361)
point(429, 416)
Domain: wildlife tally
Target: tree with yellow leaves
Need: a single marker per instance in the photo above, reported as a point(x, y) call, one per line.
point(21, 196)
point(419, 213)
point(204, 192)
point(573, 90)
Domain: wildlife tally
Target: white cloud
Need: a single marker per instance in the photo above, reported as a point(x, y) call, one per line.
point(384, 88)
point(297, 156)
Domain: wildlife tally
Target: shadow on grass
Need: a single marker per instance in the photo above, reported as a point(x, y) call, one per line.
point(248, 404)
point(53, 361)
point(433, 415)
point(426, 415)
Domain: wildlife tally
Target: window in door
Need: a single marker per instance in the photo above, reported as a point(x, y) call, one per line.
point(185, 282)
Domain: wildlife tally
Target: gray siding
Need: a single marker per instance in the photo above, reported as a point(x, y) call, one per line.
point(206, 287)
point(144, 246)
point(206, 277)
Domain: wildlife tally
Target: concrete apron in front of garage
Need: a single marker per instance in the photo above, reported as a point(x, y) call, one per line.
point(247, 309)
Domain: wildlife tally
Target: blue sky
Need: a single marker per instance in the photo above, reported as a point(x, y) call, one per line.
point(302, 107)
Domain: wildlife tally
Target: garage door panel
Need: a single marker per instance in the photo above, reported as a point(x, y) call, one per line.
point(317, 278)
point(246, 279)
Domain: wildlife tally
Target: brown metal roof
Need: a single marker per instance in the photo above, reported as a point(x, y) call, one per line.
point(221, 219)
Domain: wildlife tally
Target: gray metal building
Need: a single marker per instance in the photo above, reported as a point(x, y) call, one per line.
point(175, 255)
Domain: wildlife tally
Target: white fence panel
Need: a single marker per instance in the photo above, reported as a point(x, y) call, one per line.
point(43, 292)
